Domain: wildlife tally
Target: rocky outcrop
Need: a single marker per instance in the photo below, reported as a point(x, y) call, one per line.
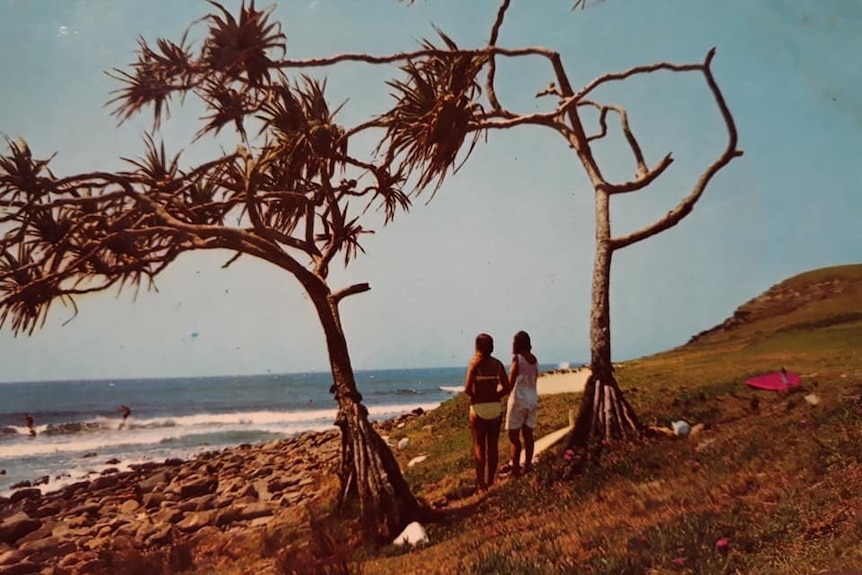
point(153, 503)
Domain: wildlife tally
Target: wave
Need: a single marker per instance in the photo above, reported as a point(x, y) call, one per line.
point(452, 388)
point(221, 428)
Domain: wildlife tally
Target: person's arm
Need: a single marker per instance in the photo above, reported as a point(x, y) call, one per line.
point(508, 383)
point(470, 381)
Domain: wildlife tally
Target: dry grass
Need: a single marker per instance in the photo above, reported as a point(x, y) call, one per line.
point(766, 489)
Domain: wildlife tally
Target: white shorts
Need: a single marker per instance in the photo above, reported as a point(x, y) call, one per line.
point(519, 414)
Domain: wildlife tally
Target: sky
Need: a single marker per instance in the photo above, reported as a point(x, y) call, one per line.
point(507, 243)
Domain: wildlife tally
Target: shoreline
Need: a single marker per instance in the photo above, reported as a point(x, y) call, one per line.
point(233, 489)
point(572, 380)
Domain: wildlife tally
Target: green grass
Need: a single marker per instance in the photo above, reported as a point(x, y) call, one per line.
point(780, 483)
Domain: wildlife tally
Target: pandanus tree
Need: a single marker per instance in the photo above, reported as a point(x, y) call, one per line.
point(439, 107)
point(292, 194)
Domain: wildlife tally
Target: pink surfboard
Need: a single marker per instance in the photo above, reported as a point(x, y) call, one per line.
point(774, 381)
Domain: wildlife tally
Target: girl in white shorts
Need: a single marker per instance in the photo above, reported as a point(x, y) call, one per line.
point(523, 401)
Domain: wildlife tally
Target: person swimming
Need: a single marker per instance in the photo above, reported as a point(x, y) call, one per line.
point(28, 419)
point(126, 411)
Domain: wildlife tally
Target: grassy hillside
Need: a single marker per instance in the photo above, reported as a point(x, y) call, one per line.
point(777, 477)
point(771, 485)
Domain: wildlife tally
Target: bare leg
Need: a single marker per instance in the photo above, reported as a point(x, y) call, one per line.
point(515, 440)
point(478, 451)
point(529, 446)
point(493, 439)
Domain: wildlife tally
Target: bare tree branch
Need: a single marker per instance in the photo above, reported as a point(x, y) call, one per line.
point(349, 291)
point(492, 63)
point(624, 124)
point(617, 76)
point(407, 56)
point(685, 206)
point(643, 179)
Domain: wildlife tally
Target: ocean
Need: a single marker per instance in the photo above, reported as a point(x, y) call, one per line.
point(77, 422)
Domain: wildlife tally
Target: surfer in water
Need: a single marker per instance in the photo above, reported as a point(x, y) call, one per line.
point(126, 411)
point(28, 419)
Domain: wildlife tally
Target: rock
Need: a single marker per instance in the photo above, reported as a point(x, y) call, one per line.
point(167, 515)
point(416, 460)
point(23, 568)
point(153, 500)
point(403, 443)
point(11, 557)
point(47, 510)
point(812, 399)
point(17, 526)
point(196, 520)
point(202, 503)
point(163, 534)
point(42, 480)
point(198, 486)
point(254, 510)
point(110, 470)
point(681, 428)
point(414, 534)
point(112, 461)
point(129, 507)
point(29, 493)
point(155, 481)
point(89, 455)
point(21, 484)
point(104, 482)
point(47, 548)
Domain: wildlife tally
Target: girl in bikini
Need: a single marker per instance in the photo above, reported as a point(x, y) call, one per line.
point(486, 384)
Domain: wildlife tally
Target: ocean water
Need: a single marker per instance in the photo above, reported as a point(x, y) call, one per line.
point(77, 421)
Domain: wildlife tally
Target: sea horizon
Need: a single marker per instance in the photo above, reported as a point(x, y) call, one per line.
point(79, 432)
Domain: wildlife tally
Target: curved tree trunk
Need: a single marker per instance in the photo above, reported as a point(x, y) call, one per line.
point(604, 412)
point(369, 471)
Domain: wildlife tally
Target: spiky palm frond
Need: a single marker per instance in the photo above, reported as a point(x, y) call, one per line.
point(301, 124)
point(238, 48)
point(26, 294)
point(205, 198)
point(434, 111)
point(155, 165)
point(21, 175)
point(226, 105)
point(155, 76)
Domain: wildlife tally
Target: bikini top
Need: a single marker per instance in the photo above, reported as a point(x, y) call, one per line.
point(486, 385)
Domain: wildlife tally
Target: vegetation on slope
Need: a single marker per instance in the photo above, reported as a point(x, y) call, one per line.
point(770, 486)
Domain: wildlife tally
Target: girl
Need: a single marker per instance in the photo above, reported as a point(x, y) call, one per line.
point(523, 401)
point(486, 384)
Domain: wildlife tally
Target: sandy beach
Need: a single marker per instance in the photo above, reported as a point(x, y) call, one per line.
point(571, 381)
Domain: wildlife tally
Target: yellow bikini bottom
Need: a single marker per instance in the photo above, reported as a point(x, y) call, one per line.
point(490, 410)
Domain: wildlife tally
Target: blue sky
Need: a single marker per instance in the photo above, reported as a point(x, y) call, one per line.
point(507, 244)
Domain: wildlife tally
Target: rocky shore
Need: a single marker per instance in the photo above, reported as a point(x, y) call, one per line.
point(66, 532)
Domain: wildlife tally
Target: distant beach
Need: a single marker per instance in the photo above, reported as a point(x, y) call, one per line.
point(77, 421)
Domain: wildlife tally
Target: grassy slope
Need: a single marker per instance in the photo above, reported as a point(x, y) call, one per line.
point(782, 483)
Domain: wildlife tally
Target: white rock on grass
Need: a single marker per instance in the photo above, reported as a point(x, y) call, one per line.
point(416, 460)
point(413, 535)
point(403, 443)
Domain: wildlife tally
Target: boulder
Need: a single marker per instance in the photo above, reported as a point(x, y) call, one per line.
point(196, 520)
point(17, 526)
point(23, 568)
point(28, 493)
point(47, 548)
point(197, 486)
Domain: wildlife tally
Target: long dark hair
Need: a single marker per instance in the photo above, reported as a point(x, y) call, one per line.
point(484, 344)
point(521, 343)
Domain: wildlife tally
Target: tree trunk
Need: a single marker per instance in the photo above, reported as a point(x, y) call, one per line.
point(604, 412)
point(369, 471)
